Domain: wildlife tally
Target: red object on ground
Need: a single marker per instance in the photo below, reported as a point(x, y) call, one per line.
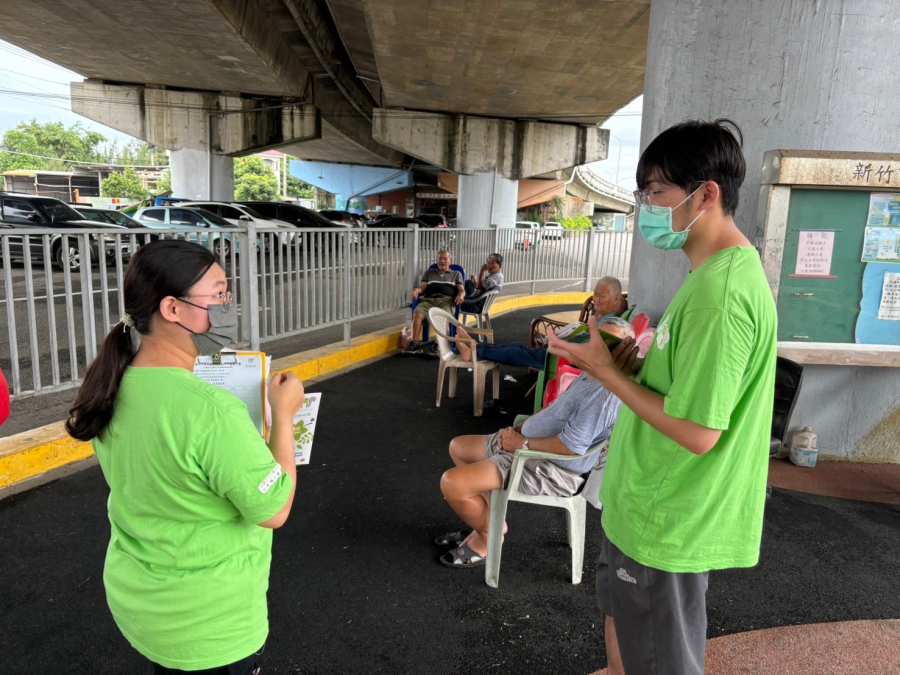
point(4, 399)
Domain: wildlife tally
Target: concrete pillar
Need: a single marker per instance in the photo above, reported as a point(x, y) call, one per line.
point(793, 75)
point(487, 199)
point(190, 175)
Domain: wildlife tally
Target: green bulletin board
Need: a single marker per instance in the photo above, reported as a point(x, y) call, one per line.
point(823, 309)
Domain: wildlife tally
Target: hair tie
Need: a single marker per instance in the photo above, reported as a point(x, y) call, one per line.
point(127, 322)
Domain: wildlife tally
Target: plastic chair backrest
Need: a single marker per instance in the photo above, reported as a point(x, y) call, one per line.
point(441, 328)
point(640, 323)
point(788, 380)
point(565, 376)
point(628, 312)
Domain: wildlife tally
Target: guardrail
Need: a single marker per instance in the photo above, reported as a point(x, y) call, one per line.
point(62, 290)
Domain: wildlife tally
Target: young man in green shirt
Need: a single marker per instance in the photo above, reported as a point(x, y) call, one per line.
point(685, 480)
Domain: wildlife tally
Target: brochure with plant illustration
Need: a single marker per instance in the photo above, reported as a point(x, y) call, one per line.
point(305, 428)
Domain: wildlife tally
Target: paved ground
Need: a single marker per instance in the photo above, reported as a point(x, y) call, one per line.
point(355, 584)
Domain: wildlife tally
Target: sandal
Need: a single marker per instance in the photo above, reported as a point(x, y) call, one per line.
point(452, 538)
point(462, 557)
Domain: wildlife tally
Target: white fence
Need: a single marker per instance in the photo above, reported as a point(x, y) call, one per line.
point(61, 293)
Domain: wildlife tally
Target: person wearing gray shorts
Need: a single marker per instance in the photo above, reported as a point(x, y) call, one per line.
point(581, 417)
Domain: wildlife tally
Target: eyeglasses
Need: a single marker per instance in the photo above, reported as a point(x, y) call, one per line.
point(644, 197)
point(225, 297)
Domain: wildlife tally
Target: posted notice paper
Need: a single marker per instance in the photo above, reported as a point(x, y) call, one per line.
point(305, 428)
point(889, 309)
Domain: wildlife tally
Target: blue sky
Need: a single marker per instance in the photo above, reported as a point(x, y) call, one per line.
point(21, 71)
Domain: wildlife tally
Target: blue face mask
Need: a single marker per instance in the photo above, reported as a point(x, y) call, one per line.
point(655, 223)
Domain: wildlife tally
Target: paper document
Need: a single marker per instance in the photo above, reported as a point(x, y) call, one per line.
point(814, 254)
point(305, 428)
point(242, 374)
point(889, 309)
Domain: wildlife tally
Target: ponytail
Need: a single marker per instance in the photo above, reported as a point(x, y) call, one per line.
point(168, 267)
point(92, 411)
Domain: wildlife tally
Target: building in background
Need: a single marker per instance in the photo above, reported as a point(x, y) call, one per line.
point(81, 185)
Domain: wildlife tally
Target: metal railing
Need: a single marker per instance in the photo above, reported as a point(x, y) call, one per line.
point(62, 292)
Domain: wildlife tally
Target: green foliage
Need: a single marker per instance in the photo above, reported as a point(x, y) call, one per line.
point(576, 223)
point(49, 140)
point(254, 181)
point(300, 190)
point(124, 185)
point(165, 183)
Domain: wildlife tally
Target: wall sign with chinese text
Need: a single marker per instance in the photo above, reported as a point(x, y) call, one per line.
point(814, 255)
point(889, 309)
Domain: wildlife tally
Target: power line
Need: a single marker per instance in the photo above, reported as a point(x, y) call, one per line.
point(77, 161)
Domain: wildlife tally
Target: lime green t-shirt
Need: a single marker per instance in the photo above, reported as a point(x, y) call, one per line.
point(190, 478)
point(713, 358)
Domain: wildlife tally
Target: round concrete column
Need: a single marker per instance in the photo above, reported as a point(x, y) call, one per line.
point(487, 199)
point(190, 175)
point(793, 75)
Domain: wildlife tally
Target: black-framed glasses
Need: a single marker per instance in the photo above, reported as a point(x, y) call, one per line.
point(226, 297)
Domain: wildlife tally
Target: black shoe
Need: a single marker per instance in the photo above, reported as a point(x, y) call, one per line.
point(413, 348)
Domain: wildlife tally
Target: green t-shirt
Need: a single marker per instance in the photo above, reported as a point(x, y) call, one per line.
point(713, 358)
point(190, 478)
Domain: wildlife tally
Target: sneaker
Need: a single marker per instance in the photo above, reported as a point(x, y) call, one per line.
point(413, 348)
point(432, 349)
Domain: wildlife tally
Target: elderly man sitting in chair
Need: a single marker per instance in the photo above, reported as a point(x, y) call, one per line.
point(580, 418)
point(441, 287)
point(607, 294)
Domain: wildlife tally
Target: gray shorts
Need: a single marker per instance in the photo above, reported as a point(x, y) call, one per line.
point(539, 477)
point(660, 616)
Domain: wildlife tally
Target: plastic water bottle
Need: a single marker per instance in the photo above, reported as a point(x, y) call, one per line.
point(805, 448)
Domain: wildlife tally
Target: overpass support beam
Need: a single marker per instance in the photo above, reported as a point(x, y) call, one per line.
point(228, 125)
point(203, 130)
point(470, 145)
point(814, 79)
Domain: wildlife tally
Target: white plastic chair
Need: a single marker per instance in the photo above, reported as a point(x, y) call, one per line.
point(575, 506)
point(486, 301)
point(441, 321)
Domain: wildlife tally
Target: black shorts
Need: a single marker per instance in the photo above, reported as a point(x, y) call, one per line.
point(660, 617)
point(247, 666)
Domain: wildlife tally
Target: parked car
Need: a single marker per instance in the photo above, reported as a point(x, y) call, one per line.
point(299, 216)
point(380, 216)
point(397, 221)
point(19, 211)
point(296, 215)
point(177, 217)
point(552, 230)
point(434, 219)
point(528, 234)
point(346, 217)
point(107, 216)
point(239, 214)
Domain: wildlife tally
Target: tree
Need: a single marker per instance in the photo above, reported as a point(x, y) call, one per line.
point(124, 185)
point(297, 188)
point(254, 181)
point(52, 139)
point(165, 183)
point(577, 223)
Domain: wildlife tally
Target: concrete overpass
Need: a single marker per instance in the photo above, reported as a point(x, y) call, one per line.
point(515, 87)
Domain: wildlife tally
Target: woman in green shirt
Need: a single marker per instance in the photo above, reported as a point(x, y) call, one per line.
point(194, 490)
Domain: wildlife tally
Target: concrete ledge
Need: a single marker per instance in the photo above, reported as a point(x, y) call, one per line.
point(36, 452)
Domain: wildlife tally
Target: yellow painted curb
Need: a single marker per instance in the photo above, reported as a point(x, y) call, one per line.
point(38, 451)
point(44, 449)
